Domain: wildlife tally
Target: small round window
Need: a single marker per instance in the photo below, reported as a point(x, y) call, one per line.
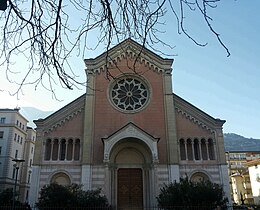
point(129, 94)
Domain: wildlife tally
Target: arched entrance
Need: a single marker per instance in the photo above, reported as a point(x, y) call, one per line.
point(131, 173)
point(130, 159)
point(130, 155)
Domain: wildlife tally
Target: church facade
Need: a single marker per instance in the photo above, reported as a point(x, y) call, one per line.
point(129, 134)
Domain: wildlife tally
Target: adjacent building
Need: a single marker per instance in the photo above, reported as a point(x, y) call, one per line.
point(254, 173)
point(16, 142)
point(129, 134)
point(241, 184)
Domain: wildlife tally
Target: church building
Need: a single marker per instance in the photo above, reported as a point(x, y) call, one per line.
point(129, 134)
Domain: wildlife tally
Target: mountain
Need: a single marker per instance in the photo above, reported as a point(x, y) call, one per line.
point(235, 142)
point(232, 141)
point(31, 113)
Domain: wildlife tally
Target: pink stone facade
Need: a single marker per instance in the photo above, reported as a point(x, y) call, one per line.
point(95, 143)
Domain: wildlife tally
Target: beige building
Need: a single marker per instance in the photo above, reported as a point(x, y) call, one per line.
point(129, 134)
point(16, 142)
point(240, 180)
point(254, 173)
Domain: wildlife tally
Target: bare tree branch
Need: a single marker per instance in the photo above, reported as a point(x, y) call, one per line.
point(48, 32)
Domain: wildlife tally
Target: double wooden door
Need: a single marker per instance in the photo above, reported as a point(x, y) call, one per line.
point(129, 188)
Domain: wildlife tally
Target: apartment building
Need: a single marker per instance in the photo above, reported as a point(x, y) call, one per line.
point(16, 143)
point(240, 178)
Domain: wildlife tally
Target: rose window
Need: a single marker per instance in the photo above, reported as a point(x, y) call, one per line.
point(129, 94)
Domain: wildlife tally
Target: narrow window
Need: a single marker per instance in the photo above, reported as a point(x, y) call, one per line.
point(204, 149)
point(189, 149)
point(182, 149)
point(0, 150)
point(196, 149)
point(70, 149)
point(2, 120)
point(1, 134)
point(211, 149)
point(55, 149)
point(47, 150)
point(16, 154)
point(77, 149)
point(62, 149)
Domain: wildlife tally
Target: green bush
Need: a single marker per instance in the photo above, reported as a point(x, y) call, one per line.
point(55, 195)
point(187, 194)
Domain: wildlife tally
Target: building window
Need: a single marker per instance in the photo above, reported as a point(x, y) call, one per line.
point(77, 149)
point(196, 149)
point(21, 140)
point(189, 149)
point(129, 94)
point(18, 139)
point(2, 120)
point(211, 149)
point(16, 154)
point(48, 148)
point(55, 149)
point(63, 149)
point(0, 150)
point(30, 162)
point(15, 135)
point(1, 134)
point(182, 149)
point(17, 122)
point(32, 150)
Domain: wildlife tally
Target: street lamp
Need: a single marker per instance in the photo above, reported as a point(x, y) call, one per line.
point(16, 165)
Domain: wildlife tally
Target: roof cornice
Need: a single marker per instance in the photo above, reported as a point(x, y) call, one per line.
point(196, 115)
point(128, 49)
point(64, 114)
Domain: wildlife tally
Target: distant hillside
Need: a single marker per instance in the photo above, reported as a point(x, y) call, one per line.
point(31, 113)
point(235, 142)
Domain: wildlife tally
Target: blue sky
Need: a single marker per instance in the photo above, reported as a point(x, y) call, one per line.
point(224, 87)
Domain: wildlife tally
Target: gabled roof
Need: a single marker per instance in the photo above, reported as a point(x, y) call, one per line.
point(132, 126)
point(195, 114)
point(128, 48)
point(65, 113)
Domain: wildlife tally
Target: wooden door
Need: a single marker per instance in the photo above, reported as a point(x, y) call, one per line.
point(129, 188)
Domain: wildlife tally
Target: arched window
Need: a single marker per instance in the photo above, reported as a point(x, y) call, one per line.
point(55, 149)
point(199, 177)
point(61, 179)
point(77, 150)
point(196, 149)
point(182, 149)
point(70, 149)
point(47, 155)
point(211, 149)
point(189, 149)
point(62, 149)
point(204, 149)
